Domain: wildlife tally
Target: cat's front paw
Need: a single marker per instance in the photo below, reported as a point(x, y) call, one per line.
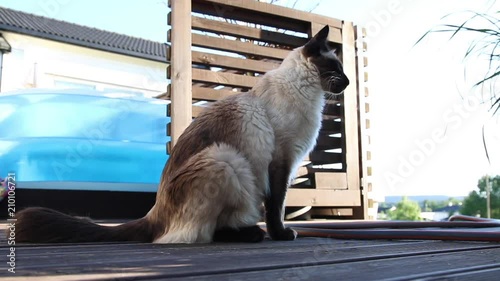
point(286, 234)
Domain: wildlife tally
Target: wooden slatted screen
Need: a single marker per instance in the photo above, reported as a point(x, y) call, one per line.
point(371, 207)
point(232, 44)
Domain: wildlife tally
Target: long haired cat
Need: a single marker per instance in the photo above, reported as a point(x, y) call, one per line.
point(237, 156)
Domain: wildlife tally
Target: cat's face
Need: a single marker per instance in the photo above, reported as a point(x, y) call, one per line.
point(330, 68)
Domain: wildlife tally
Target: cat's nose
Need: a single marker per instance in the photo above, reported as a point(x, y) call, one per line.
point(346, 81)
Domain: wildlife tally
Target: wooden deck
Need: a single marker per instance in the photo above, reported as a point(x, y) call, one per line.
point(303, 259)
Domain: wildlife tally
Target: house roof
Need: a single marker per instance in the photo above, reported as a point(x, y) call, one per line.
point(61, 31)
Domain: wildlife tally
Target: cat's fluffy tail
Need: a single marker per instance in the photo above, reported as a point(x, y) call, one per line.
point(43, 225)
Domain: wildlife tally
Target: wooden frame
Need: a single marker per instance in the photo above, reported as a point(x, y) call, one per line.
point(231, 43)
point(180, 62)
point(369, 202)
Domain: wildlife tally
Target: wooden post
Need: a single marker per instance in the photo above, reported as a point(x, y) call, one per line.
point(351, 107)
point(181, 96)
point(369, 207)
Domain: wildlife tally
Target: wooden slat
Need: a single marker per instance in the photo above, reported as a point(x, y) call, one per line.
point(304, 183)
point(166, 95)
point(299, 181)
point(321, 157)
point(241, 14)
point(169, 72)
point(325, 142)
point(233, 63)
point(168, 129)
point(330, 212)
point(332, 109)
point(331, 180)
point(197, 110)
point(331, 126)
point(301, 171)
point(238, 47)
point(209, 94)
point(243, 31)
point(223, 78)
point(168, 52)
point(322, 197)
point(181, 68)
point(280, 13)
point(169, 147)
point(351, 108)
point(334, 35)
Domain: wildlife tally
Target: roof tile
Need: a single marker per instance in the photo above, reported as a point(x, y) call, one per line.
point(52, 29)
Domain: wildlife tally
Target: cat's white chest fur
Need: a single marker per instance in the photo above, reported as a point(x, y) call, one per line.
point(294, 103)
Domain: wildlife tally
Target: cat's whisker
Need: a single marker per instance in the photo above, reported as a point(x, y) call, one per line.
point(331, 82)
point(331, 95)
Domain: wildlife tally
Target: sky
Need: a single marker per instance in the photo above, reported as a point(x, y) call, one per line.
point(426, 120)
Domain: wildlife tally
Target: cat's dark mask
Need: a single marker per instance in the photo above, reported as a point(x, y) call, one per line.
point(324, 58)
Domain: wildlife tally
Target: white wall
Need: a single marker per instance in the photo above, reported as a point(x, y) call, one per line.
point(40, 63)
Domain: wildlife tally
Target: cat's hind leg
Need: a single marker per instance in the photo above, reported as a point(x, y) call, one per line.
point(242, 234)
point(211, 183)
point(238, 221)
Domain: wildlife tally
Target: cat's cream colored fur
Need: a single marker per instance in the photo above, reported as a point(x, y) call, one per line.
point(283, 108)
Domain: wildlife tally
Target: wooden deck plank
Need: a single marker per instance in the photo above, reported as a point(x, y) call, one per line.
point(304, 258)
point(474, 272)
point(478, 274)
point(431, 267)
point(214, 259)
point(173, 252)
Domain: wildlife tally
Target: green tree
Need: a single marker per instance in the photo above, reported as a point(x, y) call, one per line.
point(406, 210)
point(434, 205)
point(475, 203)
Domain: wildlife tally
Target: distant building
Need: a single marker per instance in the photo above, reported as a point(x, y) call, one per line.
point(40, 52)
point(441, 213)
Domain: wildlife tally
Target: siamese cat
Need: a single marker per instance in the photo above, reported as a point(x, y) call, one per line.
point(237, 156)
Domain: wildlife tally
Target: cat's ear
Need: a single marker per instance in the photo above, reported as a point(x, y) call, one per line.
point(317, 43)
point(322, 35)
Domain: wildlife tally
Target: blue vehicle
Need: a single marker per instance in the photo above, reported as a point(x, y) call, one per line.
point(81, 140)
